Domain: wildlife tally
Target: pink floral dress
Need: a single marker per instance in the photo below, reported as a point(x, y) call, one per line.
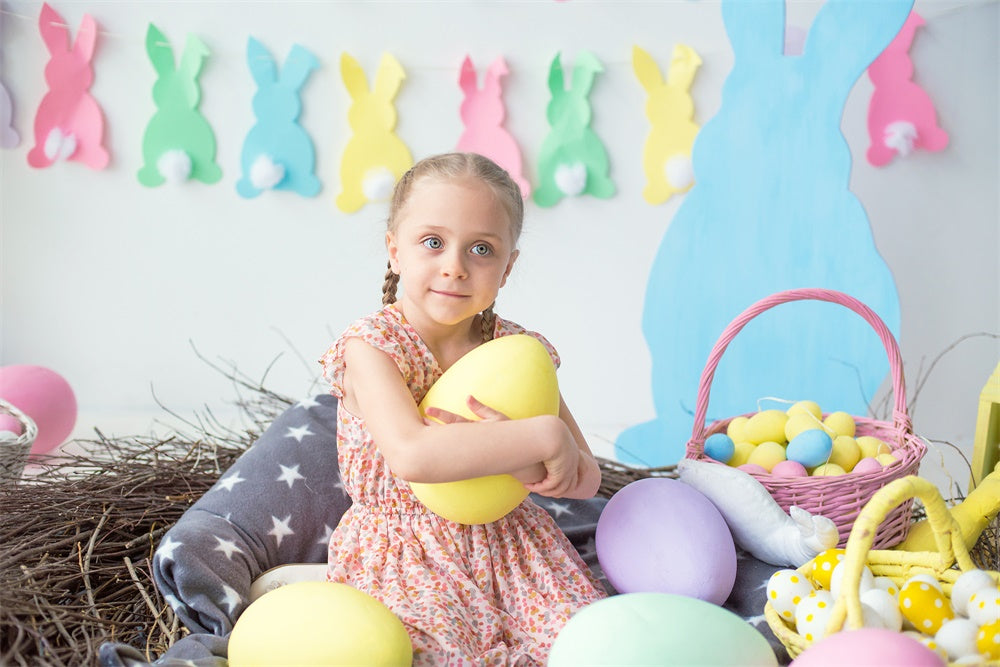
point(493, 594)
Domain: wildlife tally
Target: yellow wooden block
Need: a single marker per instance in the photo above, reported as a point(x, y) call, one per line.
point(986, 446)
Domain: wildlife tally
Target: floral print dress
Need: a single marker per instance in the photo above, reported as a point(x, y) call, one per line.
point(493, 594)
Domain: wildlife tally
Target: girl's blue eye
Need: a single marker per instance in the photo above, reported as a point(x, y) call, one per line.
point(433, 243)
point(481, 249)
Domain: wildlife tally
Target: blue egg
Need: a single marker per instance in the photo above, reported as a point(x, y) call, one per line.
point(720, 447)
point(810, 448)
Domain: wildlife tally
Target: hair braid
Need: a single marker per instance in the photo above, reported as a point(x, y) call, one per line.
point(488, 322)
point(389, 286)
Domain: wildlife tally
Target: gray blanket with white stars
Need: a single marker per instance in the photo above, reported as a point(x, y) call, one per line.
point(278, 504)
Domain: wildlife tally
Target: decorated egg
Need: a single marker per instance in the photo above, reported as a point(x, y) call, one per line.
point(988, 640)
point(789, 469)
point(513, 375)
point(46, 397)
point(736, 429)
point(867, 465)
point(968, 582)
point(929, 642)
point(828, 470)
point(822, 566)
point(318, 623)
point(810, 408)
point(958, 638)
point(871, 446)
point(984, 605)
point(785, 589)
point(866, 583)
point(650, 628)
point(845, 452)
point(810, 448)
point(766, 425)
point(924, 605)
point(867, 646)
point(884, 604)
point(812, 615)
point(720, 447)
point(887, 585)
point(767, 455)
point(741, 453)
point(840, 423)
point(662, 535)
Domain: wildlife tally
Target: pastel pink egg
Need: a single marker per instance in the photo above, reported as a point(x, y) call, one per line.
point(46, 397)
point(867, 464)
point(790, 469)
point(868, 646)
point(754, 468)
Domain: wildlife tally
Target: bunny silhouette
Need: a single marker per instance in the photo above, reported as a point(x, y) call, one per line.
point(9, 138)
point(572, 159)
point(901, 116)
point(483, 113)
point(178, 143)
point(770, 211)
point(666, 157)
point(69, 124)
point(277, 152)
point(375, 157)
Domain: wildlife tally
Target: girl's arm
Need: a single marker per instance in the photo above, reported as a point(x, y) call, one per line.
point(417, 452)
point(589, 472)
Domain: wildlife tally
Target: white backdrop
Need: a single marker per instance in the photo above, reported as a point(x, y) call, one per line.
point(112, 284)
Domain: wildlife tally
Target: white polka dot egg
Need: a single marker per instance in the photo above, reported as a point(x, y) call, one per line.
point(984, 606)
point(812, 614)
point(785, 590)
point(924, 605)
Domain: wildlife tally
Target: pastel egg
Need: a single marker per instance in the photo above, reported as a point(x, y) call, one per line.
point(785, 590)
point(754, 468)
point(868, 646)
point(741, 452)
point(736, 429)
point(828, 470)
point(928, 642)
point(958, 638)
point(822, 566)
point(766, 425)
point(840, 423)
point(812, 614)
point(884, 604)
point(886, 460)
point(968, 583)
point(801, 422)
point(871, 446)
point(984, 605)
point(867, 465)
point(924, 606)
point(988, 640)
point(887, 585)
point(767, 455)
point(805, 407)
point(866, 583)
point(810, 448)
point(720, 447)
point(845, 452)
point(789, 469)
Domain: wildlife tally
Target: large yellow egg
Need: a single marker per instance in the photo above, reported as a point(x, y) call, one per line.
point(513, 375)
point(312, 623)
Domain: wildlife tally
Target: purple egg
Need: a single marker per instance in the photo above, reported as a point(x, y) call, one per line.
point(659, 535)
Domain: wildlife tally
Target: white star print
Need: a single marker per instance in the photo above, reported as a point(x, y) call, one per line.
point(230, 481)
point(173, 601)
point(166, 550)
point(227, 547)
point(307, 403)
point(289, 475)
point(280, 528)
point(230, 599)
point(327, 532)
point(340, 485)
point(298, 432)
point(559, 508)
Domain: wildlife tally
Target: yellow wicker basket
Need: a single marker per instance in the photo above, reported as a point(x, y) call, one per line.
point(950, 561)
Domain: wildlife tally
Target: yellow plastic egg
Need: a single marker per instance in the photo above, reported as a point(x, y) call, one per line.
point(766, 425)
point(741, 453)
point(871, 446)
point(984, 605)
point(512, 374)
point(312, 623)
point(840, 423)
point(846, 452)
point(924, 606)
point(827, 470)
point(822, 566)
point(767, 455)
point(785, 590)
point(801, 422)
point(805, 407)
point(988, 640)
point(736, 429)
point(812, 614)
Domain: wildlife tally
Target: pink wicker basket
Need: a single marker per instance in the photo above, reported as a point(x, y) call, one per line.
point(837, 498)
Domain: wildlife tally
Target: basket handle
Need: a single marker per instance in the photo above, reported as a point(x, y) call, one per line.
point(900, 416)
point(947, 535)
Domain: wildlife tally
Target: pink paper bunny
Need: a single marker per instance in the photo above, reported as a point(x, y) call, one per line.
point(483, 114)
point(69, 124)
point(901, 115)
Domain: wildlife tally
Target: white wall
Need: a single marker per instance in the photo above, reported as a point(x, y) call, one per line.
point(110, 283)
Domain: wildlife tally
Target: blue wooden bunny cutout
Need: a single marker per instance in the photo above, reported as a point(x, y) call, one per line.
point(771, 211)
point(277, 152)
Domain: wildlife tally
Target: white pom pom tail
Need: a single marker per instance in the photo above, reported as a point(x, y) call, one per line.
point(174, 165)
point(571, 179)
point(59, 146)
point(679, 172)
point(377, 184)
point(265, 173)
point(900, 136)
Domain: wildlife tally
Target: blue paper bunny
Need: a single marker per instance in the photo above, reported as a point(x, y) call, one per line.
point(771, 211)
point(277, 152)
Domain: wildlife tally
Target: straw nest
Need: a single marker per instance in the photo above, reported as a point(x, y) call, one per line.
point(77, 536)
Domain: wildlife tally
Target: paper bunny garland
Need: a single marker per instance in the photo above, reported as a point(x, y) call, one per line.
point(771, 209)
point(69, 124)
point(178, 143)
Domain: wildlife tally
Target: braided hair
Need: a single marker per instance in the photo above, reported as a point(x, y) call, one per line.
point(450, 166)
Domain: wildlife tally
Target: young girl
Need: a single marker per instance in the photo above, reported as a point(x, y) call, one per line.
point(493, 594)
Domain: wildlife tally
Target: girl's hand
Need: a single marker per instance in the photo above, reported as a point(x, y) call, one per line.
point(481, 410)
point(562, 471)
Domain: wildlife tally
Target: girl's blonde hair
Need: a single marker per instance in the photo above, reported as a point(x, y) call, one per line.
point(450, 166)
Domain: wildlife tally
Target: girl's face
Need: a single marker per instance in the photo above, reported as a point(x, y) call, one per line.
point(453, 250)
